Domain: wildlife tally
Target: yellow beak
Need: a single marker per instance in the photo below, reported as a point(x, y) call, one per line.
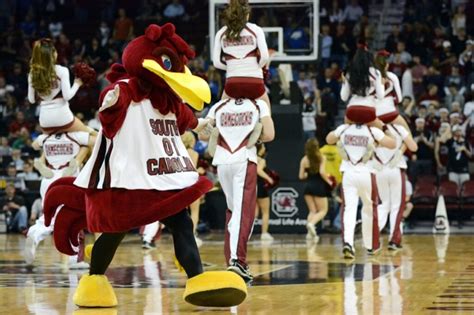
point(192, 89)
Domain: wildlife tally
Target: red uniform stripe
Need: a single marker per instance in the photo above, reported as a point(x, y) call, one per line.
point(397, 232)
point(375, 224)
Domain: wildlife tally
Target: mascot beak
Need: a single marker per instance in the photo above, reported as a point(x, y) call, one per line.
point(192, 89)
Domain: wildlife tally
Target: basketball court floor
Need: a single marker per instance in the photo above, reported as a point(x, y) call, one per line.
point(431, 275)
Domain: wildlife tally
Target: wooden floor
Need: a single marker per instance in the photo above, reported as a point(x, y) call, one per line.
point(431, 275)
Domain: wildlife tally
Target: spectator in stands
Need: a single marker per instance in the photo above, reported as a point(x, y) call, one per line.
point(16, 159)
point(326, 44)
point(215, 83)
point(5, 149)
point(458, 156)
point(309, 118)
point(453, 95)
point(63, 49)
point(469, 109)
point(441, 150)
point(336, 15)
point(422, 160)
point(341, 47)
point(353, 11)
point(5, 89)
point(466, 59)
point(431, 96)
point(55, 27)
point(123, 29)
point(28, 172)
point(15, 210)
point(174, 10)
point(28, 26)
point(94, 123)
point(103, 34)
point(405, 57)
point(419, 71)
point(19, 183)
point(393, 39)
point(17, 124)
point(296, 36)
point(459, 19)
point(18, 80)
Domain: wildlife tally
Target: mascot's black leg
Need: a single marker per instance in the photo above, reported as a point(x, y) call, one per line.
point(103, 252)
point(185, 248)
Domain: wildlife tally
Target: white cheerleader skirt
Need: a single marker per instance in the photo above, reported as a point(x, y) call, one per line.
point(55, 116)
point(386, 110)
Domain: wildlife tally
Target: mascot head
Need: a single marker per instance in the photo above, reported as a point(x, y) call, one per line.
point(158, 59)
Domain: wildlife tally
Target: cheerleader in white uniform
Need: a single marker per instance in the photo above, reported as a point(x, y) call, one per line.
point(361, 88)
point(49, 83)
point(386, 108)
point(241, 50)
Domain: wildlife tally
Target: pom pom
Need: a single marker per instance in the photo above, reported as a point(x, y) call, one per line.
point(153, 32)
point(86, 73)
point(276, 179)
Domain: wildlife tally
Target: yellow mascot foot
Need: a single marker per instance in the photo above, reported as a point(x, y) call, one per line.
point(95, 291)
point(215, 288)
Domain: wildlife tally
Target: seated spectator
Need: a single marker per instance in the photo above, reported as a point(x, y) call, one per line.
point(453, 95)
point(28, 172)
point(174, 10)
point(15, 210)
point(11, 177)
point(123, 29)
point(458, 156)
point(353, 11)
point(5, 149)
point(431, 96)
point(443, 115)
point(16, 125)
point(309, 118)
point(16, 159)
point(5, 89)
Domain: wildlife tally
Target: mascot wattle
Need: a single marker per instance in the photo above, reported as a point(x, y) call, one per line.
point(140, 171)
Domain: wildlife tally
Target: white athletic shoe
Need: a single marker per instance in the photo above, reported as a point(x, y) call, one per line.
point(30, 250)
point(78, 265)
point(266, 237)
point(311, 230)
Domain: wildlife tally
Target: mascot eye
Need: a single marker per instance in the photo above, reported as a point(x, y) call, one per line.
point(166, 62)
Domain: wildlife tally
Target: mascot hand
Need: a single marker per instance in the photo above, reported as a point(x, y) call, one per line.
point(204, 127)
point(71, 169)
point(111, 98)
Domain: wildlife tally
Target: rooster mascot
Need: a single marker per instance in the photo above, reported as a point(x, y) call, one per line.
point(140, 171)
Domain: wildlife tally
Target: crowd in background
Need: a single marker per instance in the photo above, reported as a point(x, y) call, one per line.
point(432, 53)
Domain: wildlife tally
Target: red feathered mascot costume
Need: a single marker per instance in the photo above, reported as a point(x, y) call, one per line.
point(140, 172)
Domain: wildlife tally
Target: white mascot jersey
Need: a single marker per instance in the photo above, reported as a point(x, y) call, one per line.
point(156, 157)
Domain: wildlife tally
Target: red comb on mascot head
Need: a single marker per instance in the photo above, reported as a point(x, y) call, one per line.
point(139, 171)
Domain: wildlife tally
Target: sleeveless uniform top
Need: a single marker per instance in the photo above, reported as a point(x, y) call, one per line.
point(375, 91)
point(355, 140)
point(156, 157)
point(384, 156)
point(244, 57)
point(235, 120)
point(59, 149)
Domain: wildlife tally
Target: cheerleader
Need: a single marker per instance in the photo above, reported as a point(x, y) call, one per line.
point(361, 87)
point(241, 50)
point(386, 108)
point(263, 198)
point(318, 185)
point(49, 83)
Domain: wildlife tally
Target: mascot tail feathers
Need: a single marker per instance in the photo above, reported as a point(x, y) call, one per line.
point(66, 202)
